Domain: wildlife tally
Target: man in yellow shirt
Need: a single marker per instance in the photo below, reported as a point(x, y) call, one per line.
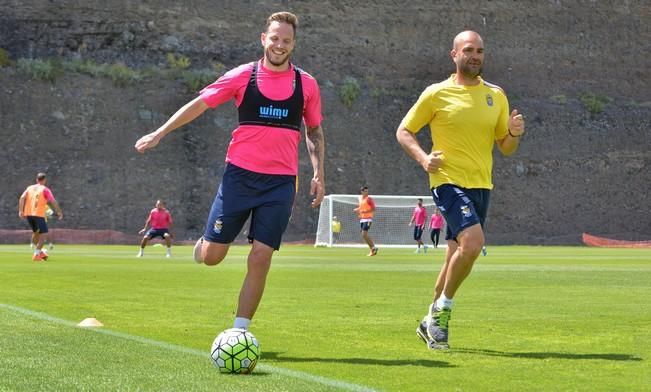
point(466, 116)
point(336, 229)
point(32, 205)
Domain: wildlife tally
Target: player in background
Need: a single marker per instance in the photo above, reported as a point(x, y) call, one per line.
point(467, 116)
point(49, 212)
point(435, 225)
point(365, 212)
point(32, 206)
point(336, 229)
point(274, 98)
point(160, 220)
point(418, 218)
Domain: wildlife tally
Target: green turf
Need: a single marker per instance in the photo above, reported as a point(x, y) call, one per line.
point(527, 319)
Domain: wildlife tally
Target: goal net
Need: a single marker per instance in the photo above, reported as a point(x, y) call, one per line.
point(390, 226)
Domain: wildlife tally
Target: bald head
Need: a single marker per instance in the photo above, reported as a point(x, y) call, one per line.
point(467, 36)
point(468, 55)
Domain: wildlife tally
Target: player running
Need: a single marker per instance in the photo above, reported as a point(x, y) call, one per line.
point(467, 116)
point(365, 211)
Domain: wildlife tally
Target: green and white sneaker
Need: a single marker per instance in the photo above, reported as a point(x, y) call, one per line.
point(433, 330)
point(421, 332)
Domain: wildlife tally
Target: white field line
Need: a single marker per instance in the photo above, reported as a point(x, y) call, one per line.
point(272, 369)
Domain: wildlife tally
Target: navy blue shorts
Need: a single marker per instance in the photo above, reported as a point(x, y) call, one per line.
point(461, 207)
point(267, 198)
point(38, 224)
point(153, 233)
point(418, 232)
point(365, 226)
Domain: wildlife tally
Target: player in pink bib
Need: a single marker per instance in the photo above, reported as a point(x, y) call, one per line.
point(160, 221)
point(274, 98)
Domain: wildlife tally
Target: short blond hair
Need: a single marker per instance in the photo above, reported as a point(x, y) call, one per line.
point(283, 17)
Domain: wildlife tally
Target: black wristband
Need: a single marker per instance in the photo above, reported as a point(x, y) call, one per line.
point(512, 135)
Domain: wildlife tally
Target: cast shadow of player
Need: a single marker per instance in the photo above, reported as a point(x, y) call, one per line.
point(549, 355)
point(277, 356)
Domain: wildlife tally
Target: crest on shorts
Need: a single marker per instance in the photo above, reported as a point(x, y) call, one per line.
point(489, 100)
point(465, 210)
point(217, 227)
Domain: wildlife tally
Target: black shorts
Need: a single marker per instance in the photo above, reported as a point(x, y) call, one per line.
point(38, 224)
point(461, 207)
point(153, 233)
point(418, 232)
point(267, 198)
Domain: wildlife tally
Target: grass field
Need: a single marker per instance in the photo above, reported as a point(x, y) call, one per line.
point(527, 319)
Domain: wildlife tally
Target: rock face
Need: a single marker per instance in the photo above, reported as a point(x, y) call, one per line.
point(577, 70)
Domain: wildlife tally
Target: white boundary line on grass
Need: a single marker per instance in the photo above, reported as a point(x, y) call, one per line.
point(285, 372)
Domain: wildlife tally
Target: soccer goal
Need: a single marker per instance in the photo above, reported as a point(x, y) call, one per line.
point(390, 224)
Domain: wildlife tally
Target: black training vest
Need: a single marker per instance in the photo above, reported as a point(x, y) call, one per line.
point(256, 109)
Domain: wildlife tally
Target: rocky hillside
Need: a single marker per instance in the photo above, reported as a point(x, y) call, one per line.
point(82, 80)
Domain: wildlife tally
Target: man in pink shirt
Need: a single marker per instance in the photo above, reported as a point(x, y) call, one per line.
point(160, 221)
point(273, 98)
point(435, 225)
point(418, 218)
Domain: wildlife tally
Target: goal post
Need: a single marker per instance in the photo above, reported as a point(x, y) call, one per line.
point(390, 226)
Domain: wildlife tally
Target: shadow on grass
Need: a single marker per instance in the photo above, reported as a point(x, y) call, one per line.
point(276, 356)
point(549, 355)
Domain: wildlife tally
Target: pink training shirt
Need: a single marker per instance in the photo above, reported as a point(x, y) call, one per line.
point(160, 219)
point(419, 216)
point(436, 222)
point(263, 149)
point(47, 193)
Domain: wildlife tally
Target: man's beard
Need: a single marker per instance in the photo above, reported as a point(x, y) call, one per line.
point(269, 55)
point(469, 73)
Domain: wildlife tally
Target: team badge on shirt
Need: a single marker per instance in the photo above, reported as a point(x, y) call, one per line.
point(217, 227)
point(489, 100)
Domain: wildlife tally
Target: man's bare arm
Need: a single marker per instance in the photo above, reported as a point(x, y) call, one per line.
point(184, 115)
point(316, 149)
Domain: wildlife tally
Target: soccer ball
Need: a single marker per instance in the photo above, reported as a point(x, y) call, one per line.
point(235, 350)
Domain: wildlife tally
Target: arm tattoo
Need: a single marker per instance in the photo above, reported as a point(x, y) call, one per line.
point(315, 146)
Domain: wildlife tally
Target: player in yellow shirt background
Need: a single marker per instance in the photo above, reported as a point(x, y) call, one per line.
point(467, 116)
point(33, 206)
point(336, 229)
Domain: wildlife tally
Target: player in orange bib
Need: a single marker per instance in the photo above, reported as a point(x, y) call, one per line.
point(365, 211)
point(32, 205)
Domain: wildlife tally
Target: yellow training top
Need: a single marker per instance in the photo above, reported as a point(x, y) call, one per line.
point(336, 226)
point(464, 122)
